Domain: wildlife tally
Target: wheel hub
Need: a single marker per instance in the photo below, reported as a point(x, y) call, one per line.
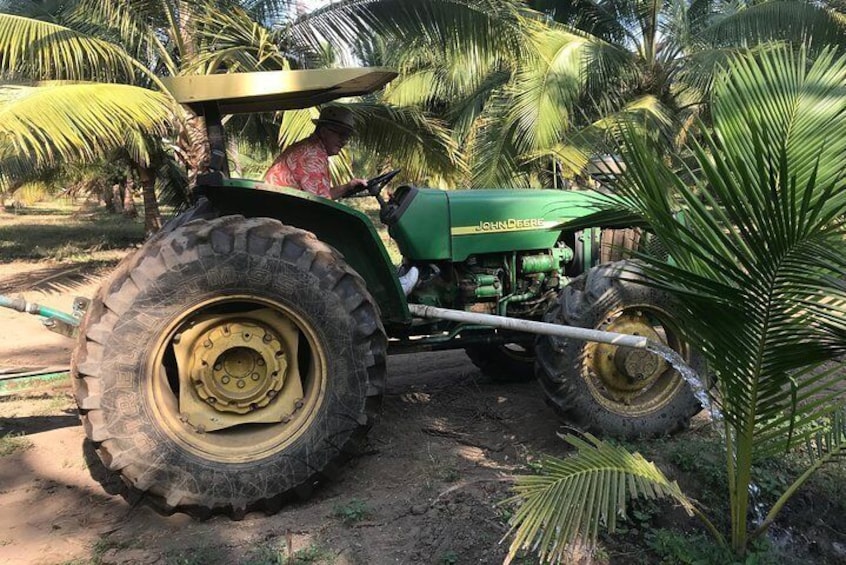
point(235, 371)
point(242, 367)
point(625, 371)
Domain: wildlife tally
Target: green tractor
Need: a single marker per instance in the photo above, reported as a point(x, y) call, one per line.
point(238, 357)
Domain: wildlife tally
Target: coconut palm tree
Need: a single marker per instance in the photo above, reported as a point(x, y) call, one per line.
point(90, 85)
point(401, 135)
point(531, 93)
point(759, 265)
point(122, 48)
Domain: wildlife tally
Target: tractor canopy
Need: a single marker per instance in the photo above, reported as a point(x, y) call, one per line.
point(215, 96)
point(271, 91)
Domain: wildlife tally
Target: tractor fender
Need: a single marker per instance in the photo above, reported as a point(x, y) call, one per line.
point(349, 231)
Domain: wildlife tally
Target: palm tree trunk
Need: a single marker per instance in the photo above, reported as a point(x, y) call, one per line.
point(152, 215)
point(117, 199)
point(129, 209)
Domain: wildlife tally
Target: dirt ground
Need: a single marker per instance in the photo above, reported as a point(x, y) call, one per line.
point(426, 490)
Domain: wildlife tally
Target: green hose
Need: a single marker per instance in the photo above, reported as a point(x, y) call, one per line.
point(22, 305)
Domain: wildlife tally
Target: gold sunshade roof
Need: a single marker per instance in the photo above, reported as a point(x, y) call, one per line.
point(237, 93)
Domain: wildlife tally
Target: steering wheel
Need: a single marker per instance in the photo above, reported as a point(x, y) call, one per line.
point(375, 185)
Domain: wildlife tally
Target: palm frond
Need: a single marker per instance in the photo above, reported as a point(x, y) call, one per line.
point(42, 51)
point(421, 147)
point(574, 497)
point(760, 257)
point(826, 445)
point(172, 184)
point(494, 155)
point(53, 122)
point(812, 398)
point(573, 153)
point(545, 88)
point(150, 29)
point(796, 21)
point(490, 26)
point(234, 41)
point(271, 10)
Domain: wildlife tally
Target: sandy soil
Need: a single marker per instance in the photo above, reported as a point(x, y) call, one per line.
point(426, 491)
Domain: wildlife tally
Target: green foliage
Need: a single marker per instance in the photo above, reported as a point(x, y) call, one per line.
point(195, 556)
point(673, 547)
point(353, 511)
point(758, 268)
point(449, 558)
point(530, 98)
point(571, 498)
point(314, 553)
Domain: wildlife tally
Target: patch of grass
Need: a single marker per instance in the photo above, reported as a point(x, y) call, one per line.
point(697, 548)
point(62, 236)
point(673, 546)
point(449, 558)
point(313, 554)
point(353, 511)
point(448, 473)
point(13, 443)
point(54, 405)
point(195, 556)
point(266, 555)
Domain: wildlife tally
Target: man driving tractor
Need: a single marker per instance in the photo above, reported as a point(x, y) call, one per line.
point(305, 164)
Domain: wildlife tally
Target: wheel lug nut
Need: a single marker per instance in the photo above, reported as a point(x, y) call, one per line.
point(225, 380)
point(299, 403)
point(254, 376)
point(241, 384)
point(211, 400)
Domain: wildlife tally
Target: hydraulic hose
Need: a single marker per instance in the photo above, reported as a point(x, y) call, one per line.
point(22, 305)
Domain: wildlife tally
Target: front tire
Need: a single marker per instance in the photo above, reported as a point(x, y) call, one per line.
point(229, 365)
point(617, 391)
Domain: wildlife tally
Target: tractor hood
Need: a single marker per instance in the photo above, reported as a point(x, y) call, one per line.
point(238, 93)
point(434, 225)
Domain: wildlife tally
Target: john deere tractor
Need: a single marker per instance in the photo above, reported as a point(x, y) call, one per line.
point(238, 357)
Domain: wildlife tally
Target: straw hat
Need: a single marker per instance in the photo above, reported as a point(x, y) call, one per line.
point(336, 116)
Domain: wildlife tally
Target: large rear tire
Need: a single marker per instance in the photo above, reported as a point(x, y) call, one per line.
point(613, 390)
point(230, 364)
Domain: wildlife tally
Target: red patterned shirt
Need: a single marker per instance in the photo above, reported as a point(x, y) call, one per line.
point(303, 165)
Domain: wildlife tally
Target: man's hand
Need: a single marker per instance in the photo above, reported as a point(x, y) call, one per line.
point(355, 184)
point(342, 190)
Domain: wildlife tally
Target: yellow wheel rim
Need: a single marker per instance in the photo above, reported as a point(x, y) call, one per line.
point(634, 382)
point(237, 379)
